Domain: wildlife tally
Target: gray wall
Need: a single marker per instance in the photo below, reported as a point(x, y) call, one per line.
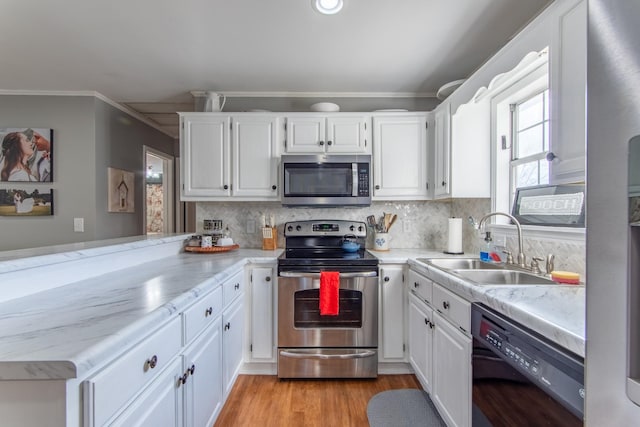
point(88, 136)
point(119, 144)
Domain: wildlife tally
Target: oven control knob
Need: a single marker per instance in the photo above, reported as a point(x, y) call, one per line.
point(298, 228)
point(361, 229)
point(290, 228)
point(352, 228)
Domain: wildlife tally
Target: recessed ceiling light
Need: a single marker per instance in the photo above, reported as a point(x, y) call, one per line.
point(328, 7)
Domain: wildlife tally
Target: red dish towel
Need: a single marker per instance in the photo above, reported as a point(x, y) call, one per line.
point(329, 293)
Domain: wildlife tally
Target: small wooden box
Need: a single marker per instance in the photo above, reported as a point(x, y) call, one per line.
point(269, 238)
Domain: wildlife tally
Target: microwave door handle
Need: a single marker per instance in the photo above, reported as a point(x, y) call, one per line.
point(354, 177)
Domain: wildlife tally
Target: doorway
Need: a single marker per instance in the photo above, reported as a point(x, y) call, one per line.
point(159, 192)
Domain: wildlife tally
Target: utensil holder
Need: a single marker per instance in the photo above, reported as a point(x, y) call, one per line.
point(269, 238)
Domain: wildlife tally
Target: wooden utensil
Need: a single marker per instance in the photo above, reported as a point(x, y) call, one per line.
point(393, 219)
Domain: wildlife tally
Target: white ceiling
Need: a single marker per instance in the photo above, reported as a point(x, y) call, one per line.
point(148, 53)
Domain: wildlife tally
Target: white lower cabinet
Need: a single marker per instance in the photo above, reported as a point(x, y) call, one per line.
point(180, 374)
point(451, 373)
point(261, 343)
point(203, 385)
point(421, 341)
point(232, 333)
point(160, 404)
point(391, 314)
point(440, 348)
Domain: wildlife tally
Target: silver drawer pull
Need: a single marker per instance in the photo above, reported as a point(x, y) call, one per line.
point(360, 355)
point(150, 363)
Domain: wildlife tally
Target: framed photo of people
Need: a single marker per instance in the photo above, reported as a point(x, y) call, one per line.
point(21, 202)
point(26, 154)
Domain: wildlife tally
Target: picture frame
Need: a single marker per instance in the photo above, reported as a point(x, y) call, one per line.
point(551, 205)
point(21, 202)
point(26, 154)
point(120, 191)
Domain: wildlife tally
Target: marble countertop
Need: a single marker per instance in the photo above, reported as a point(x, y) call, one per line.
point(67, 331)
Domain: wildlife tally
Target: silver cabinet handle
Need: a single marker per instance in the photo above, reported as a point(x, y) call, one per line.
point(360, 355)
point(317, 275)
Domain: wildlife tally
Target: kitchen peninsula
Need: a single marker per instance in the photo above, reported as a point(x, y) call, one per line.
point(88, 310)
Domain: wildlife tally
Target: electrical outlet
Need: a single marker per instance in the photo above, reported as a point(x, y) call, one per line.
point(251, 226)
point(78, 225)
point(406, 226)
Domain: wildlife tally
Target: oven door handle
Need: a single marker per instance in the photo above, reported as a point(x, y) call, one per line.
point(302, 355)
point(317, 275)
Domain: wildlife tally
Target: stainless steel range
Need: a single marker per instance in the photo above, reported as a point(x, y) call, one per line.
point(312, 345)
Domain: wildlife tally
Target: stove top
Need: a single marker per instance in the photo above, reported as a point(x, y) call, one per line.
point(317, 245)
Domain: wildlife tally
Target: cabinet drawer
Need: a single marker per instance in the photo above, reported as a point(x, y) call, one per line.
point(455, 309)
point(111, 388)
point(232, 288)
point(201, 314)
point(421, 286)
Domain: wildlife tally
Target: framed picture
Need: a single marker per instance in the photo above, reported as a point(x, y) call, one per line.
point(551, 205)
point(26, 154)
point(120, 185)
point(20, 202)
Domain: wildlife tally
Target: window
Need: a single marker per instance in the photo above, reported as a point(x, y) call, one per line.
point(530, 136)
point(520, 115)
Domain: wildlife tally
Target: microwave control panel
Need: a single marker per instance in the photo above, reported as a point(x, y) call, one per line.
point(363, 179)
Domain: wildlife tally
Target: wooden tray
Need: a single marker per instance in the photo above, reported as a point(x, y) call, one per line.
point(212, 249)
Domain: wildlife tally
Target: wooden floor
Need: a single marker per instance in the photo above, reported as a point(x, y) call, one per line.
point(266, 401)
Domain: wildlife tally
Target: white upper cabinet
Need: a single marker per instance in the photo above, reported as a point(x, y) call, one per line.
point(568, 65)
point(205, 154)
point(442, 141)
point(470, 157)
point(400, 157)
point(255, 157)
point(224, 157)
point(339, 134)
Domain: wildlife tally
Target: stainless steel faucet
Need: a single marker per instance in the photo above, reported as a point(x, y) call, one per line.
point(521, 258)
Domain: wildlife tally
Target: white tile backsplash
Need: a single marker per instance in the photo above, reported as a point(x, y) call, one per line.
point(420, 225)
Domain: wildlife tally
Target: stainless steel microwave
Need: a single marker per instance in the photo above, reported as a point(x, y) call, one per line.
point(326, 180)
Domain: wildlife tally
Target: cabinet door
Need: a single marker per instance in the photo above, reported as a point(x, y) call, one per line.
point(160, 404)
point(205, 154)
point(348, 134)
point(306, 134)
point(392, 313)
point(421, 341)
point(442, 131)
point(232, 332)
point(451, 373)
point(262, 343)
point(203, 388)
point(568, 95)
point(400, 157)
point(255, 157)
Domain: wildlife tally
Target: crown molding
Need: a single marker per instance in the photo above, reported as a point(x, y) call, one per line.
point(232, 94)
point(90, 93)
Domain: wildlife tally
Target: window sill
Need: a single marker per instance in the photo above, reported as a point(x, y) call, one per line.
point(539, 232)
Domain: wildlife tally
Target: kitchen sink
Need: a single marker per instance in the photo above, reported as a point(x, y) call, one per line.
point(460, 263)
point(502, 277)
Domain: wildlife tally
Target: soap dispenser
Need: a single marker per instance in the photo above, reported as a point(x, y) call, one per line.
point(487, 247)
